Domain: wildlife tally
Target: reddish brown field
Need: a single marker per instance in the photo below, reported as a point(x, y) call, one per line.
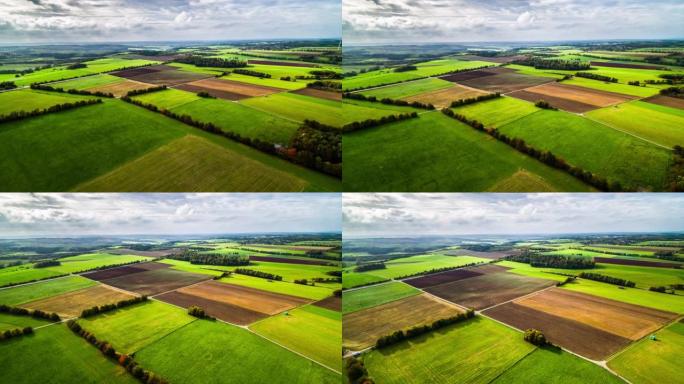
point(667, 101)
point(441, 278)
point(156, 281)
point(442, 98)
point(577, 337)
point(583, 95)
point(282, 63)
point(120, 89)
point(274, 259)
point(363, 328)
point(557, 102)
point(160, 74)
point(71, 304)
point(229, 90)
point(122, 271)
point(321, 94)
point(623, 65)
point(253, 299)
point(490, 289)
point(622, 319)
point(505, 82)
point(642, 263)
point(333, 303)
point(224, 311)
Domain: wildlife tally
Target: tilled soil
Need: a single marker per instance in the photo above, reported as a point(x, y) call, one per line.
point(224, 311)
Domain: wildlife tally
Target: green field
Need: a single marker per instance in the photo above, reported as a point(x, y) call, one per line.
point(549, 366)
point(26, 293)
point(89, 82)
point(662, 301)
point(135, 327)
point(657, 123)
point(438, 154)
point(317, 292)
point(507, 109)
point(409, 89)
point(613, 87)
point(296, 107)
point(93, 67)
point(653, 361)
point(416, 264)
point(312, 331)
point(208, 352)
point(9, 322)
point(351, 280)
point(55, 355)
point(474, 351)
point(363, 298)
point(354, 110)
point(275, 83)
point(592, 146)
point(28, 100)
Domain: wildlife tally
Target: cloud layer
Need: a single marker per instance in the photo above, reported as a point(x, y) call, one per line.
point(401, 21)
point(206, 213)
point(48, 21)
point(464, 213)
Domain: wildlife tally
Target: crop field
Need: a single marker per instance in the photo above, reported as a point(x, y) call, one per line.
point(416, 264)
point(333, 303)
point(363, 328)
point(155, 281)
point(160, 75)
point(612, 87)
point(221, 310)
point(84, 83)
point(408, 89)
point(298, 107)
point(10, 322)
point(505, 82)
point(28, 100)
point(226, 89)
point(442, 98)
point(316, 292)
point(443, 277)
point(669, 303)
point(71, 304)
point(31, 292)
point(123, 271)
point(666, 101)
point(508, 110)
point(363, 298)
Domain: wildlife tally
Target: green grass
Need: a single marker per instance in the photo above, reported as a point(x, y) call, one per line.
point(24, 294)
point(351, 279)
point(89, 82)
point(297, 107)
point(24, 273)
point(115, 63)
point(55, 355)
point(657, 123)
point(613, 87)
point(549, 366)
point(205, 351)
point(94, 67)
point(438, 154)
point(415, 264)
point(312, 331)
point(409, 89)
point(133, 328)
point(168, 99)
point(625, 75)
point(275, 83)
point(525, 70)
point(653, 362)
point(507, 109)
point(358, 111)
point(372, 296)
point(28, 100)
point(475, 351)
point(317, 292)
point(9, 322)
point(662, 301)
point(592, 146)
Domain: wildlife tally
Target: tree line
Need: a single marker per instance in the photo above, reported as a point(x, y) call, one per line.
point(5, 85)
point(199, 313)
point(545, 157)
point(90, 74)
point(249, 72)
point(553, 261)
point(418, 330)
point(320, 74)
point(194, 257)
point(216, 62)
point(594, 76)
point(259, 274)
point(9, 334)
point(47, 263)
point(565, 65)
point(676, 170)
point(543, 104)
point(677, 92)
point(77, 66)
point(325, 85)
point(18, 115)
point(388, 101)
point(107, 349)
point(471, 100)
point(607, 279)
point(137, 92)
point(370, 123)
point(36, 313)
point(673, 78)
point(370, 266)
point(95, 310)
point(71, 91)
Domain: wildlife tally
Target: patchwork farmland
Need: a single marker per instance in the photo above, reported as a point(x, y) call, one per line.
point(206, 118)
point(516, 119)
point(465, 323)
point(186, 299)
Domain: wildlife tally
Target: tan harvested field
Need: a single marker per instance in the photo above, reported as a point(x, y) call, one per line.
point(321, 94)
point(490, 289)
point(625, 320)
point(223, 311)
point(122, 88)
point(269, 303)
point(363, 328)
point(577, 337)
point(71, 304)
point(667, 101)
point(581, 94)
point(156, 281)
point(227, 89)
point(442, 98)
point(556, 102)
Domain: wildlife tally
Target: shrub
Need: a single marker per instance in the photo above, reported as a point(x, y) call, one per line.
point(536, 337)
point(545, 105)
point(136, 92)
point(4, 85)
point(199, 313)
point(594, 76)
point(205, 95)
point(248, 72)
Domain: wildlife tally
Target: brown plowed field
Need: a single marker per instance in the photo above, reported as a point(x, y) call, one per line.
point(160, 74)
point(363, 328)
point(226, 89)
point(112, 273)
point(490, 289)
point(273, 259)
point(120, 89)
point(623, 65)
point(441, 278)
point(506, 82)
point(253, 299)
point(557, 102)
point(642, 263)
point(321, 94)
point(333, 303)
point(224, 311)
point(282, 63)
point(622, 319)
point(71, 304)
point(156, 281)
point(577, 337)
point(581, 94)
point(442, 98)
point(672, 102)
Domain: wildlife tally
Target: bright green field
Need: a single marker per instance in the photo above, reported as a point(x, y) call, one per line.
point(26, 293)
point(89, 82)
point(24, 273)
point(115, 63)
point(474, 351)
point(317, 292)
point(436, 153)
point(54, 354)
point(653, 362)
point(312, 331)
point(613, 87)
point(546, 366)
point(497, 112)
point(662, 301)
point(351, 279)
point(354, 110)
point(276, 83)
point(94, 66)
point(372, 296)
point(9, 322)
point(168, 99)
point(296, 107)
point(625, 75)
point(525, 70)
point(209, 352)
point(415, 264)
point(28, 100)
point(135, 327)
point(657, 123)
point(594, 147)
point(409, 89)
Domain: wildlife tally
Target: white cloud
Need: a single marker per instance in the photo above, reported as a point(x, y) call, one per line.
point(183, 17)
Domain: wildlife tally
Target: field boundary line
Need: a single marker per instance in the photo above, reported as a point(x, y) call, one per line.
point(519, 297)
point(513, 365)
point(269, 113)
point(625, 132)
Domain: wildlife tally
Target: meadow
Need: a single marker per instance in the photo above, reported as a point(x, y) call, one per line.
point(363, 298)
point(400, 91)
point(28, 100)
point(297, 107)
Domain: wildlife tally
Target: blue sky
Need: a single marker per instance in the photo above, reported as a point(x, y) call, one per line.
point(33, 21)
point(491, 213)
point(403, 21)
point(147, 213)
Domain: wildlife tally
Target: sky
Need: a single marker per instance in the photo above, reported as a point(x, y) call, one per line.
point(59, 21)
point(368, 215)
point(77, 214)
point(405, 21)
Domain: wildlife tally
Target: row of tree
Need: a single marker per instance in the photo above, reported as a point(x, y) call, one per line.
point(406, 68)
point(194, 257)
point(674, 78)
point(418, 330)
point(370, 266)
point(199, 313)
point(320, 74)
point(5, 85)
point(471, 100)
point(137, 92)
point(565, 65)
point(47, 263)
point(18, 115)
point(607, 279)
point(553, 261)
point(97, 309)
point(317, 146)
point(388, 101)
point(259, 274)
point(9, 334)
point(107, 349)
point(370, 123)
point(663, 289)
point(673, 92)
point(326, 85)
point(77, 66)
point(216, 62)
point(249, 72)
point(36, 313)
point(545, 157)
point(49, 88)
point(593, 76)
